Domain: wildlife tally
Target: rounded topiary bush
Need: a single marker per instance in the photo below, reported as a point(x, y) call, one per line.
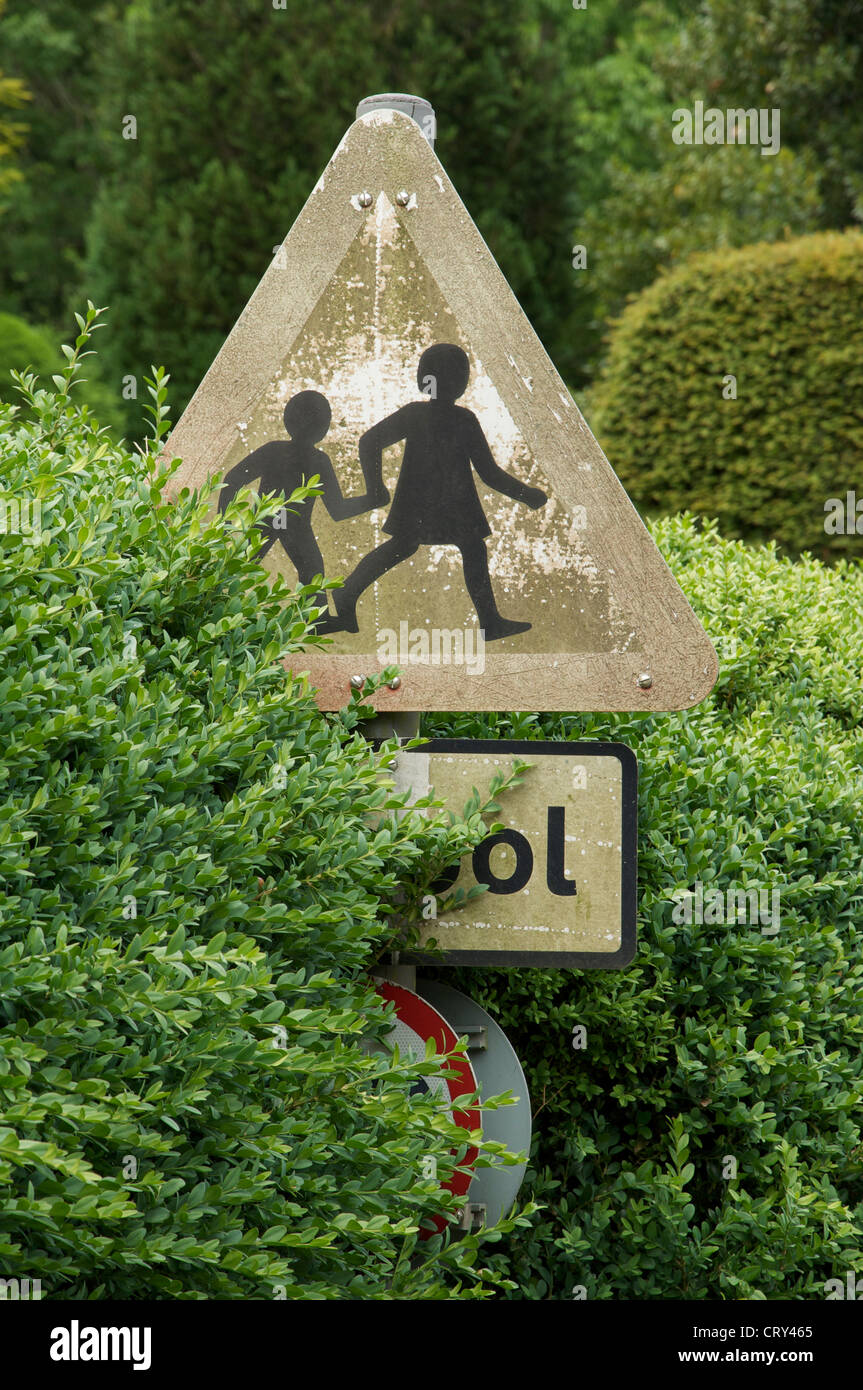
point(198, 871)
point(706, 1142)
point(785, 320)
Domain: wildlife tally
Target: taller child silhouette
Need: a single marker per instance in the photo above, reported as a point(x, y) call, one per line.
point(435, 501)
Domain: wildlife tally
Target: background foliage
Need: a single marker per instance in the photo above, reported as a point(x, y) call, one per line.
point(56, 51)
point(716, 196)
point(804, 57)
point(186, 216)
point(13, 95)
point(555, 125)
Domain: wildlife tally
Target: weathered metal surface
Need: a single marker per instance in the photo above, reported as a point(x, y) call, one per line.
point(562, 877)
point(345, 310)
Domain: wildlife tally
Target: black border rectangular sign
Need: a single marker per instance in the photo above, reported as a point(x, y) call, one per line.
point(578, 960)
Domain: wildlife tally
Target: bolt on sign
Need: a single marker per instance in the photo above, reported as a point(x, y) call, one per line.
point(486, 545)
point(560, 876)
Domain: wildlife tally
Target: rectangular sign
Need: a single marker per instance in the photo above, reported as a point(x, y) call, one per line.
point(561, 876)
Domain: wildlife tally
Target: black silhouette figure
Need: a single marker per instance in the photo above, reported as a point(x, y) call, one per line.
point(283, 465)
point(435, 499)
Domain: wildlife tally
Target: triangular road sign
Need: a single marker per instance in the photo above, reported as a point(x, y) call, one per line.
point(488, 548)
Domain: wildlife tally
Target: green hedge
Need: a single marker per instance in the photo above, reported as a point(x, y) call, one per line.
point(787, 321)
point(146, 768)
point(24, 348)
point(197, 872)
point(721, 1039)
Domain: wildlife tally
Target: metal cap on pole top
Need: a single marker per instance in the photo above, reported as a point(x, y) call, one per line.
point(417, 108)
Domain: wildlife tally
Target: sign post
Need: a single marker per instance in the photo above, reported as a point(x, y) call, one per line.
point(486, 546)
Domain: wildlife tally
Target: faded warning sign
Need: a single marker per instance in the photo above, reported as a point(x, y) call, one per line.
point(560, 876)
point(485, 545)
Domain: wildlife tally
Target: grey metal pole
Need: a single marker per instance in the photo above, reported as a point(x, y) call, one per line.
point(406, 723)
point(402, 725)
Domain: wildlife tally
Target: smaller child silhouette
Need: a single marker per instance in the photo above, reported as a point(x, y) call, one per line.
point(285, 464)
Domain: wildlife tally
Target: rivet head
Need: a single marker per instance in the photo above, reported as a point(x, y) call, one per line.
point(395, 682)
point(393, 763)
point(645, 680)
point(364, 199)
point(357, 682)
point(403, 198)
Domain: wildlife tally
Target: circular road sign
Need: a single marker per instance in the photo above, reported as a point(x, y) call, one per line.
point(417, 1020)
point(497, 1069)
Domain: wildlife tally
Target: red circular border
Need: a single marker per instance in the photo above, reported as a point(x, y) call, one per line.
point(425, 1020)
